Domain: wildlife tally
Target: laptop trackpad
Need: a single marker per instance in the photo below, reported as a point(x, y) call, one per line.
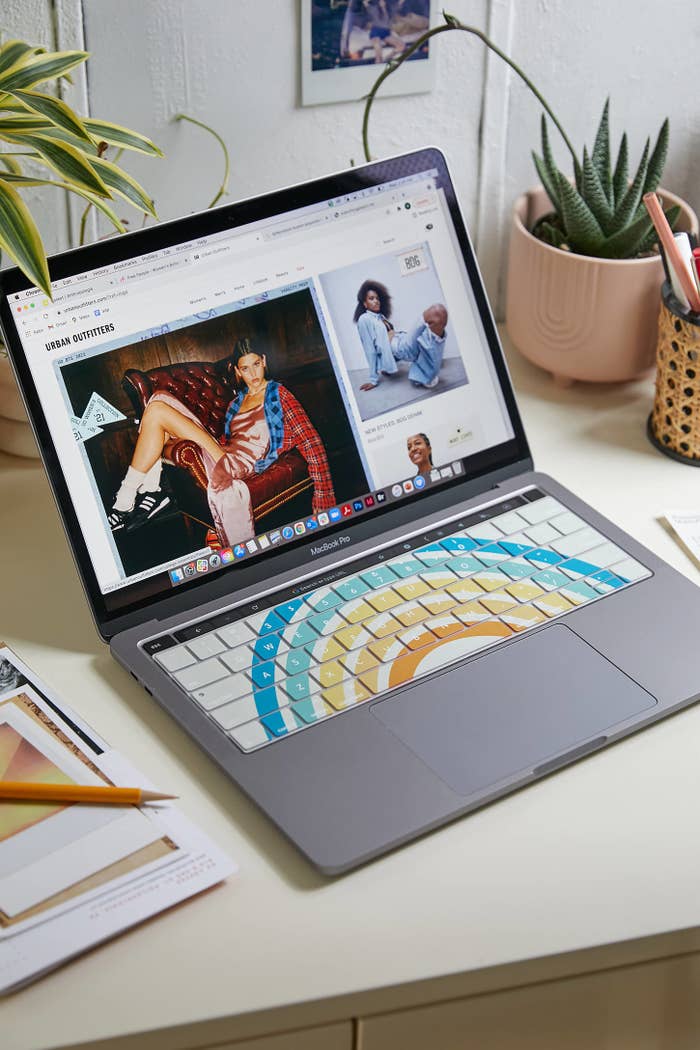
point(512, 710)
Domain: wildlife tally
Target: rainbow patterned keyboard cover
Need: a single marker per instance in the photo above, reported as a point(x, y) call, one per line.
point(262, 675)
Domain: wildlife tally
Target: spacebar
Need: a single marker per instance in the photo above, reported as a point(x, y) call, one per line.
point(439, 653)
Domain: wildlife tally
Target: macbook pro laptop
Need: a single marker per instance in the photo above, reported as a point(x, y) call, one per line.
point(288, 457)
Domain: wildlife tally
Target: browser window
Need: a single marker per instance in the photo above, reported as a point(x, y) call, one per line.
point(219, 398)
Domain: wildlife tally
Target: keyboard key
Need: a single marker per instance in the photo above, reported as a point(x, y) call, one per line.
point(300, 686)
point(357, 610)
point(264, 674)
point(323, 599)
point(354, 587)
point(518, 568)
point(438, 578)
point(221, 692)
point(267, 700)
point(269, 646)
point(235, 634)
point(523, 616)
point(199, 674)
point(382, 625)
point(207, 645)
point(324, 649)
point(330, 673)
point(158, 645)
point(630, 570)
point(265, 622)
point(516, 546)
point(438, 602)
point(498, 601)
point(236, 713)
point(380, 576)
point(353, 637)
point(175, 659)
point(465, 590)
point(605, 581)
point(540, 557)
point(387, 648)
point(471, 613)
point(296, 609)
point(250, 736)
point(416, 637)
point(444, 626)
point(550, 579)
point(240, 659)
point(575, 568)
point(282, 722)
point(578, 542)
point(566, 523)
point(406, 565)
point(298, 634)
point(541, 510)
point(553, 604)
point(491, 553)
point(358, 660)
point(327, 622)
point(432, 554)
point(383, 600)
point(410, 614)
point(346, 694)
point(509, 522)
point(464, 565)
point(412, 588)
point(605, 555)
point(491, 579)
point(193, 630)
point(484, 532)
point(578, 592)
point(295, 661)
point(460, 544)
point(543, 533)
point(524, 590)
point(311, 710)
point(443, 651)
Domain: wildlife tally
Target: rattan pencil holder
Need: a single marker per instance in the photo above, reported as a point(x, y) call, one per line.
point(674, 424)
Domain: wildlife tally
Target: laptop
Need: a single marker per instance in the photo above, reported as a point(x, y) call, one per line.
point(287, 453)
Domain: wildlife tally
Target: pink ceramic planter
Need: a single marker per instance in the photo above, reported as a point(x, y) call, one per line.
point(578, 317)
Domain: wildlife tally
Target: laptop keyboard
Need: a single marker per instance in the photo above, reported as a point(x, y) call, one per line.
point(262, 673)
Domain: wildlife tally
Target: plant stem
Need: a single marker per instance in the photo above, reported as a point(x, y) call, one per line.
point(453, 23)
point(227, 166)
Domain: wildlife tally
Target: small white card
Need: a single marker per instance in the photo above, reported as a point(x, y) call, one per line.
point(686, 525)
point(99, 413)
point(82, 430)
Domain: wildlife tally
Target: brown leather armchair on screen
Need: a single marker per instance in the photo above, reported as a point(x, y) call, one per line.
point(207, 388)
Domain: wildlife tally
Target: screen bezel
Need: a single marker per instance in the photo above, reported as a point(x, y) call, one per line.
point(481, 465)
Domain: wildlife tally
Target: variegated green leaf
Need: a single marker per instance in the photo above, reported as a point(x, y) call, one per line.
point(20, 238)
point(55, 110)
point(116, 135)
point(10, 164)
point(91, 198)
point(12, 50)
point(19, 123)
point(124, 185)
point(68, 161)
point(38, 68)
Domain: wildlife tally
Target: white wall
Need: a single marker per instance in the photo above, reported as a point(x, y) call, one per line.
point(234, 64)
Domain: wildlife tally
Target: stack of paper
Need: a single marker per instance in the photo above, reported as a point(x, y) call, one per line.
point(72, 875)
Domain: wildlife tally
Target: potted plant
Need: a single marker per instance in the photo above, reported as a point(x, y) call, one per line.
point(583, 273)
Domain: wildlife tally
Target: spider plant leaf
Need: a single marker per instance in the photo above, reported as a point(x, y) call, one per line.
point(124, 185)
point(116, 135)
point(620, 173)
point(54, 110)
point(672, 215)
point(583, 232)
point(625, 211)
point(20, 238)
point(600, 156)
point(34, 69)
point(13, 50)
point(11, 165)
point(27, 180)
point(594, 194)
point(625, 244)
point(657, 160)
point(69, 162)
point(20, 123)
point(547, 180)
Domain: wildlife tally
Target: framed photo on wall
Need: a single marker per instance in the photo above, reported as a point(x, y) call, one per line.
point(345, 44)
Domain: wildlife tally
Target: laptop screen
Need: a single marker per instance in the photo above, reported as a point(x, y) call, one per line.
point(234, 392)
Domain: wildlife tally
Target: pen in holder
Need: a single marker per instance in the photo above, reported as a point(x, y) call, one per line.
point(674, 424)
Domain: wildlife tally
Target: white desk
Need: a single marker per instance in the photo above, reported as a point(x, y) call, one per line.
point(591, 871)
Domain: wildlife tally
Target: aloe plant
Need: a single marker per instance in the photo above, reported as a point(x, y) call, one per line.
point(602, 213)
point(44, 131)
